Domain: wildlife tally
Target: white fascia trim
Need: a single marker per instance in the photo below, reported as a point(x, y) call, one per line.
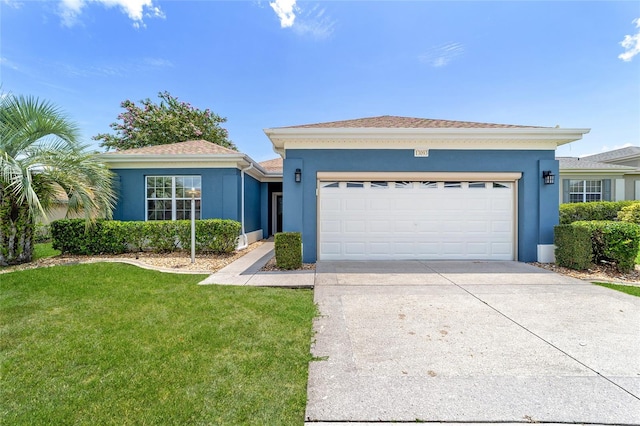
point(414, 176)
point(189, 161)
point(367, 138)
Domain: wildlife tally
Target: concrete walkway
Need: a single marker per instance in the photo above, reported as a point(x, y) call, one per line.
point(471, 342)
point(246, 271)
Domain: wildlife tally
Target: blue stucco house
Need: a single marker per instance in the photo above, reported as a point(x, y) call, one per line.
point(374, 188)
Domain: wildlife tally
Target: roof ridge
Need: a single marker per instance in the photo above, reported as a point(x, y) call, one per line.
point(395, 121)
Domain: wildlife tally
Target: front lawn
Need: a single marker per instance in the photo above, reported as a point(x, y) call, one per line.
point(112, 344)
point(629, 289)
point(42, 250)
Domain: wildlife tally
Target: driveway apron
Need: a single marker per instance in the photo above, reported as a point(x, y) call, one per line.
point(451, 341)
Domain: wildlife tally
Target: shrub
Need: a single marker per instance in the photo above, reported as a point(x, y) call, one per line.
point(162, 235)
point(74, 236)
point(288, 247)
point(212, 235)
point(630, 213)
point(615, 242)
point(573, 246)
point(595, 210)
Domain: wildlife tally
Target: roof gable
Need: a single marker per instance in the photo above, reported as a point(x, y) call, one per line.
point(195, 147)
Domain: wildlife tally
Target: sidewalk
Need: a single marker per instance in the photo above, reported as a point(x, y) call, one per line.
point(246, 271)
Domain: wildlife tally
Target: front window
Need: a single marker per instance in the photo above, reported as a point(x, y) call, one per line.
point(582, 191)
point(167, 197)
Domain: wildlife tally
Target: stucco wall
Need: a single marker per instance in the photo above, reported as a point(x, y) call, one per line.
point(534, 227)
point(220, 194)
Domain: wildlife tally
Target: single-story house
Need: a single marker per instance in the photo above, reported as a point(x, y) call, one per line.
point(373, 188)
point(608, 176)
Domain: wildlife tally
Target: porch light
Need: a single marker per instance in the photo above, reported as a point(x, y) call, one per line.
point(548, 177)
point(193, 193)
point(298, 175)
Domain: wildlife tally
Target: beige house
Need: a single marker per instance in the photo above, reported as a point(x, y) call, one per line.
point(608, 176)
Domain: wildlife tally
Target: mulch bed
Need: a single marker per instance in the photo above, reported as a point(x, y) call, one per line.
point(271, 266)
point(176, 261)
point(602, 273)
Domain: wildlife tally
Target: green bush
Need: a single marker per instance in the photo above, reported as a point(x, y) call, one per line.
point(163, 236)
point(573, 246)
point(288, 247)
point(595, 210)
point(615, 242)
point(212, 235)
point(630, 213)
point(75, 236)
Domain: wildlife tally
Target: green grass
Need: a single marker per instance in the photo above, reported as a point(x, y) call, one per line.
point(638, 259)
point(629, 289)
point(42, 250)
point(112, 344)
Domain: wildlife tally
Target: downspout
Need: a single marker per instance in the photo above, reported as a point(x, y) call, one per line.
point(245, 241)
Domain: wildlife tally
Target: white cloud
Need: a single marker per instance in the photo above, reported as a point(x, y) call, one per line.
point(285, 9)
point(136, 10)
point(8, 64)
point(631, 43)
point(314, 23)
point(439, 56)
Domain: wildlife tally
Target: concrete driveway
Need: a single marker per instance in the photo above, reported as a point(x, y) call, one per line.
point(449, 341)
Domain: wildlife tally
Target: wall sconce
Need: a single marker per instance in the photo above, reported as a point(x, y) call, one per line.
point(298, 175)
point(548, 177)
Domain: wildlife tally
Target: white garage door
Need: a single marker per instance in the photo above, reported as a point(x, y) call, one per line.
point(361, 220)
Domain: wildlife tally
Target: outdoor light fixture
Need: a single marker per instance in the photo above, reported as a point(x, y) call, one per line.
point(193, 193)
point(548, 177)
point(298, 175)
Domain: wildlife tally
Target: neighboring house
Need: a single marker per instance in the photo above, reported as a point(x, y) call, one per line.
point(374, 188)
point(608, 176)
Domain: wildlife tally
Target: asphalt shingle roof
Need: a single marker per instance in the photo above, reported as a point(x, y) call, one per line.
point(274, 165)
point(198, 147)
point(574, 163)
point(614, 154)
point(391, 121)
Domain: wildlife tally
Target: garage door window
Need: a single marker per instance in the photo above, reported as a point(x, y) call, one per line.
point(355, 184)
point(404, 185)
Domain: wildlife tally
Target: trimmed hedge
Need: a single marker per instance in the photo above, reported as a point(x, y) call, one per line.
point(75, 236)
point(595, 210)
point(288, 247)
point(630, 213)
point(573, 246)
point(615, 242)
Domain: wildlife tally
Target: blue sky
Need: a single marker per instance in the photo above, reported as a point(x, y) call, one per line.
point(267, 64)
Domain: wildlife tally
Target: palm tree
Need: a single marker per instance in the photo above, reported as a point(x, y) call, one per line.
point(39, 158)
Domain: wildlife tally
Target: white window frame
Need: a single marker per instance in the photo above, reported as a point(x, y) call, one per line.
point(584, 191)
point(173, 198)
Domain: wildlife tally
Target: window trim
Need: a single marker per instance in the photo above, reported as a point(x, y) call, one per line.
point(173, 199)
point(584, 191)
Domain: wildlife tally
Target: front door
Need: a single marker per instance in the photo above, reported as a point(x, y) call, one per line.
point(276, 213)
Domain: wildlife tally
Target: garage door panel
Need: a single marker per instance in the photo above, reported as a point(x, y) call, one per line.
point(414, 220)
